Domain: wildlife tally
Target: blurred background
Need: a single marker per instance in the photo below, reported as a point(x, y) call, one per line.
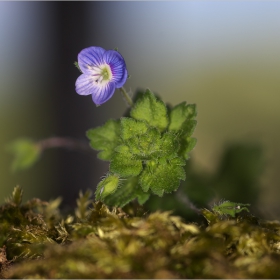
point(223, 56)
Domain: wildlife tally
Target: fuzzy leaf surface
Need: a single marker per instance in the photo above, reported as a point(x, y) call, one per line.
point(163, 176)
point(131, 128)
point(180, 113)
point(147, 145)
point(107, 186)
point(188, 127)
point(150, 109)
point(182, 119)
point(105, 139)
point(187, 145)
point(124, 164)
point(169, 145)
point(127, 192)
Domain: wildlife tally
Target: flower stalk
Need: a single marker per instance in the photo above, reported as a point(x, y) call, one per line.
point(126, 97)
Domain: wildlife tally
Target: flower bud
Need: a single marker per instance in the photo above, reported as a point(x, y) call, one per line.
point(107, 186)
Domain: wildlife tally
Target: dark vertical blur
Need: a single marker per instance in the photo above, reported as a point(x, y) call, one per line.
point(72, 113)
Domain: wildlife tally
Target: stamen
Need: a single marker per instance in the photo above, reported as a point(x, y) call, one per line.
point(101, 73)
point(95, 68)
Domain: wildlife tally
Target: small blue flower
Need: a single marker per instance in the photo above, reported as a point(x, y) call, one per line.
point(103, 72)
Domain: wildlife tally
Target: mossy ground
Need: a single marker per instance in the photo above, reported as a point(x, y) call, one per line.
point(37, 241)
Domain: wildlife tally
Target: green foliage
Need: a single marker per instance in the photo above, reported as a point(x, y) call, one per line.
point(182, 116)
point(124, 164)
point(237, 178)
point(152, 110)
point(182, 119)
point(131, 128)
point(38, 242)
point(105, 139)
point(162, 173)
point(230, 208)
point(152, 145)
point(107, 186)
point(25, 152)
point(128, 191)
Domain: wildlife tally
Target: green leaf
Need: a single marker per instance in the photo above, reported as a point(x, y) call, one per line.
point(230, 208)
point(179, 114)
point(123, 149)
point(182, 120)
point(127, 192)
point(124, 164)
point(169, 145)
point(105, 139)
point(187, 145)
point(188, 127)
point(142, 197)
point(162, 176)
point(153, 145)
point(149, 109)
point(147, 145)
point(26, 153)
point(130, 128)
point(107, 186)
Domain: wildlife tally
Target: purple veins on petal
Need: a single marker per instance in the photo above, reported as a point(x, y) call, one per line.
point(103, 72)
point(102, 94)
point(118, 67)
point(90, 57)
point(85, 84)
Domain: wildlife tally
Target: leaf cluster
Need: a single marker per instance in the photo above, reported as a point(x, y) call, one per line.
point(147, 150)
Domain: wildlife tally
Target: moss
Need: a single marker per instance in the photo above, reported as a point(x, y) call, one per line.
point(37, 241)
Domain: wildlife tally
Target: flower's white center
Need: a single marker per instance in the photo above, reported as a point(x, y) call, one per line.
point(102, 74)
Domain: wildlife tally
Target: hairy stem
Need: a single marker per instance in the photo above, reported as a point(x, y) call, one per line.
point(126, 97)
point(63, 142)
point(184, 199)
